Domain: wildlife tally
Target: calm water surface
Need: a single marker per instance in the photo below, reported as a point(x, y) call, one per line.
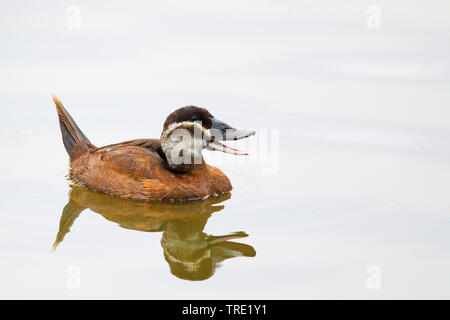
point(347, 198)
point(333, 208)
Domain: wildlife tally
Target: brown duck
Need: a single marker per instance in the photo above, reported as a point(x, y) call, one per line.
point(169, 168)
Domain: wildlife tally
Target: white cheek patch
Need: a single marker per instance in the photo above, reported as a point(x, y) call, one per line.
point(180, 147)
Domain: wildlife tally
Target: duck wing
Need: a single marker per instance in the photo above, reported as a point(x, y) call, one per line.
point(150, 144)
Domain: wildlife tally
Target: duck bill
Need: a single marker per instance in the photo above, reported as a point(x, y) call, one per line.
point(216, 145)
point(223, 131)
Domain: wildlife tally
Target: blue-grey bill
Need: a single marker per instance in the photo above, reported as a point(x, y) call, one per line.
point(236, 134)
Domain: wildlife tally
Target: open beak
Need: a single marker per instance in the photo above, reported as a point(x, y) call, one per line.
point(216, 145)
point(221, 131)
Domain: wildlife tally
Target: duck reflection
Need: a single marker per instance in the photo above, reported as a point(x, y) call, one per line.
point(191, 253)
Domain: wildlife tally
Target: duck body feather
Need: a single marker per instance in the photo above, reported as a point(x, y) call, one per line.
point(135, 169)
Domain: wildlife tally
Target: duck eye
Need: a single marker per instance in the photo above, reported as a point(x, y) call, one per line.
point(194, 118)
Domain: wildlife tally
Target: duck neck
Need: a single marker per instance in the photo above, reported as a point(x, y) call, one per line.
point(182, 145)
point(181, 158)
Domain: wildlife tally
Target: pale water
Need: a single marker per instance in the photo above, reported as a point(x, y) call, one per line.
point(348, 197)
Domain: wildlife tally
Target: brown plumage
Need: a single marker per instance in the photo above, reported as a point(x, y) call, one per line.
point(139, 173)
point(138, 169)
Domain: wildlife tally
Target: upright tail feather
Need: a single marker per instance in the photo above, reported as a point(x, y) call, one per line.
point(71, 134)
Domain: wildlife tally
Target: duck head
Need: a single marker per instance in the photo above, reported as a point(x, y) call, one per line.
point(189, 130)
point(218, 129)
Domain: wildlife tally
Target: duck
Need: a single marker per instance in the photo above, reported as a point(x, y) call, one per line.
point(170, 168)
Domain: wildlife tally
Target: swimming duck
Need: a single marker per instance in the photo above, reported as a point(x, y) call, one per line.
point(169, 168)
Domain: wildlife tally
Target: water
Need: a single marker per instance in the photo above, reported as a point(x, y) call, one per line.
point(348, 200)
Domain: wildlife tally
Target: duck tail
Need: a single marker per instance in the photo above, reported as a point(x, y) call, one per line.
point(71, 134)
